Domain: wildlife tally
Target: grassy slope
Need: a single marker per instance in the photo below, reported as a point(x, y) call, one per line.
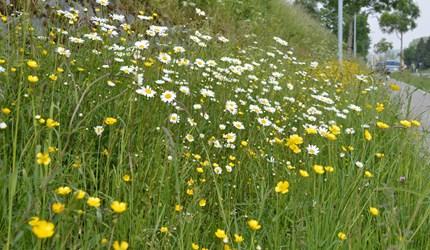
point(417, 81)
point(163, 165)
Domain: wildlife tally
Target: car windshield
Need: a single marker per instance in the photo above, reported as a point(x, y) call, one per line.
point(392, 63)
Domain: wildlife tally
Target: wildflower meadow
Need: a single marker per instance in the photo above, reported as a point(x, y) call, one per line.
point(199, 125)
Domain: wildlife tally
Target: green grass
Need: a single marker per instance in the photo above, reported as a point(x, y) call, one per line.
point(164, 170)
point(421, 82)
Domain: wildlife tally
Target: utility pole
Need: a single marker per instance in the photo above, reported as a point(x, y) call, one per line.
point(340, 30)
point(355, 35)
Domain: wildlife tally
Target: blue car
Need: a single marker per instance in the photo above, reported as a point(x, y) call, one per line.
point(391, 66)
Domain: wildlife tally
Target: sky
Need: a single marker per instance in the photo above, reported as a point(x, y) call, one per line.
point(422, 29)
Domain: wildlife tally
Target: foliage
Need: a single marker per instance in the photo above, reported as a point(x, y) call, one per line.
point(328, 15)
point(418, 54)
point(383, 46)
point(401, 20)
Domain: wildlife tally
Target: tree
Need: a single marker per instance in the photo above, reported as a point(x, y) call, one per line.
point(383, 46)
point(410, 55)
point(400, 20)
point(362, 8)
point(363, 37)
point(420, 52)
point(427, 54)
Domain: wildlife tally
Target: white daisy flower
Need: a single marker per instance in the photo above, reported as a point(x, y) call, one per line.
point(218, 170)
point(164, 58)
point(178, 49)
point(312, 149)
point(174, 118)
point(3, 125)
point(264, 122)
point(199, 62)
point(229, 137)
point(143, 44)
point(168, 96)
point(238, 125)
point(103, 2)
point(231, 107)
point(146, 91)
point(99, 130)
point(189, 138)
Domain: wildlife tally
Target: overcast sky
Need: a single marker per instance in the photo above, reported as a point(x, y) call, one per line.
point(422, 29)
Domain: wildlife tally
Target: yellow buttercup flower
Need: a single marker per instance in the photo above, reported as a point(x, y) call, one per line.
point(318, 169)
point(303, 173)
point(238, 238)
point(394, 87)
point(32, 64)
point(6, 111)
point(334, 129)
point(110, 121)
point(65, 190)
point(195, 246)
point(190, 191)
point(123, 245)
point(282, 187)
point(374, 211)
point(94, 202)
point(254, 224)
point(379, 107)
point(329, 169)
point(57, 207)
point(43, 159)
point(104, 241)
point(380, 155)
point(52, 149)
point(118, 207)
point(341, 236)
point(53, 77)
point(164, 230)
point(295, 148)
point(406, 123)
point(415, 123)
point(202, 202)
point(33, 221)
point(368, 174)
point(80, 194)
point(126, 178)
point(220, 234)
point(367, 135)
point(311, 131)
point(43, 229)
point(51, 123)
point(330, 136)
point(33, 79)
point(382, 125)
point(294, 139)
point(178, 208)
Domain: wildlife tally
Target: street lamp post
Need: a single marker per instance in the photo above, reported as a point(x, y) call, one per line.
point(340, 30)
point(355, 35)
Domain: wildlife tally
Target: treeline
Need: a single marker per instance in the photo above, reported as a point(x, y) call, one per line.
point(418, 54)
